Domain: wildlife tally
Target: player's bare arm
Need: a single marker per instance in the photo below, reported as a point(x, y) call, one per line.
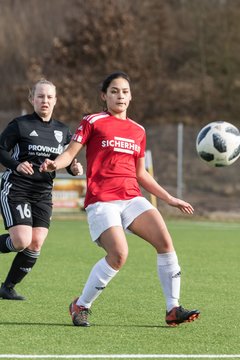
point(63, 160)
point(151, 185)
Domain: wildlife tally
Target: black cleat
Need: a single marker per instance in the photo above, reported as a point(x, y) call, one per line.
point(180, 315)
point(9, 293)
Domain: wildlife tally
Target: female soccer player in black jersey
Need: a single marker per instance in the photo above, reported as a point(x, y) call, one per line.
point(26, 193)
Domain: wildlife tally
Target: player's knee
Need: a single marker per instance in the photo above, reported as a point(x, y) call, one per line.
point(38, 239)
point(21, 244)
point(119, 259)
point(163, 244)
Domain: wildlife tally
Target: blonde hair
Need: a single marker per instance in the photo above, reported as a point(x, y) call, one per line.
point(39, 82)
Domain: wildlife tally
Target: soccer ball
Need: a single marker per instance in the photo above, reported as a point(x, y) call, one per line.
point(218, 143)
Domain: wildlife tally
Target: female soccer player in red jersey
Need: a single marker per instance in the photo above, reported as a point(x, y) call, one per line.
point(115, 147)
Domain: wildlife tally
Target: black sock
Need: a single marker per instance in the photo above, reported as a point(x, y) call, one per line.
point(22, 264)
point(6, 245)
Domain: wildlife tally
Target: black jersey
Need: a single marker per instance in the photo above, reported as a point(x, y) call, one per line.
point(29, 138)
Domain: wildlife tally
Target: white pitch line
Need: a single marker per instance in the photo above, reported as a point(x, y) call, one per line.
point(118, 356)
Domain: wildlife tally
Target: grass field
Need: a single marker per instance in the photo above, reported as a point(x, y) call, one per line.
point(128, 318)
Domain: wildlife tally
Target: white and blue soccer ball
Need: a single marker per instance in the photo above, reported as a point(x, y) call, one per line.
point(218, 143)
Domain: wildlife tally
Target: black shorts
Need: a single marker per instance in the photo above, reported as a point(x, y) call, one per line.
point(26, 212)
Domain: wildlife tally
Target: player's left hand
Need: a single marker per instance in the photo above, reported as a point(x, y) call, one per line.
point(182, 205)
point(76, 168)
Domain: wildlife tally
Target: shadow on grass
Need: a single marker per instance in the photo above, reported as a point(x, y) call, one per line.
point(11, 323)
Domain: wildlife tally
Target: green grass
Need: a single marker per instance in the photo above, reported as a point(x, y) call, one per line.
point(128, 318)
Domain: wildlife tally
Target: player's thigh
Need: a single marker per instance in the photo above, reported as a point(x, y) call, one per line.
point(114, 241)
point(17, 217)
point(41, 214)
point(151, 226)
point(106, 230)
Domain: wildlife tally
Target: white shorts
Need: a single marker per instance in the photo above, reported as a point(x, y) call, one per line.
point(103, 215)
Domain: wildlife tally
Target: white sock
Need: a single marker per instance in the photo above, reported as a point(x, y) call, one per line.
point(169, 273)
point(101, 274)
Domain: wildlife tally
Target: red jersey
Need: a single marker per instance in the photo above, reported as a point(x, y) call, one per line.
point(113, 147)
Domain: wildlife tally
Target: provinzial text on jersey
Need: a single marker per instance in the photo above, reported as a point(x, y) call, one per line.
point(44, 148)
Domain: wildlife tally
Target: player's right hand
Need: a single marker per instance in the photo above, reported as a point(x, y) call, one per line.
point(48, 166)
point(25, 168)
point(182, 205)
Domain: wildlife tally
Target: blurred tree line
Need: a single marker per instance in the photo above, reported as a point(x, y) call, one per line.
point(182, 55)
